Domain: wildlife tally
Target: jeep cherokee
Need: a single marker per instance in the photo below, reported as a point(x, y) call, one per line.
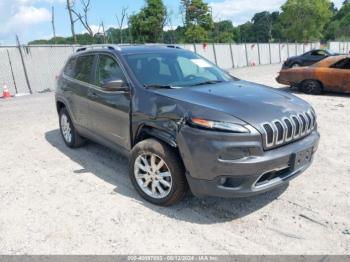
point(184, 122)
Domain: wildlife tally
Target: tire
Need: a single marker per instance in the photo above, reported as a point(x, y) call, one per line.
point(295, 65)
point(311, 87)
point(69, 134)
point(162, 185)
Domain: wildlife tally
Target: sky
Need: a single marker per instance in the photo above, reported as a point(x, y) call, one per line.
point(31, 19)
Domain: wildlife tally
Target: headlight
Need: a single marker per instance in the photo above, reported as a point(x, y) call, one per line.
point(216, 125)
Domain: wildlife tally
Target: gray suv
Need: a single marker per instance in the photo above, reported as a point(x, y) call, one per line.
point(184, 122)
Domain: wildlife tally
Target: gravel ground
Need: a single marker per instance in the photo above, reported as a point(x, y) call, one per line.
point(55, 200)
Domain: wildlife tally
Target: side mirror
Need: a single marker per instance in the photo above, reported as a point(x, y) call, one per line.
point(116, 86)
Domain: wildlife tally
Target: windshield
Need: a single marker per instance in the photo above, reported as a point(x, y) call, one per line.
point(330, 52)
point(174, 69)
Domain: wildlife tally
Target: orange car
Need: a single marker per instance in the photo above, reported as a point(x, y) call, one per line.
point(331, 74)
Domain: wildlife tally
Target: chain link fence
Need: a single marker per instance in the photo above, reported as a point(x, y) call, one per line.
point(33, 69)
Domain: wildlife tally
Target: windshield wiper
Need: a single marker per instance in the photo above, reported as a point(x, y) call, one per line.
point(210, 82)
point(158, 86)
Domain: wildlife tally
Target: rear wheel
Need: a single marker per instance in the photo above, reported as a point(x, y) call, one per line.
point(312, 87)
point(69, 134)
point(157, 173)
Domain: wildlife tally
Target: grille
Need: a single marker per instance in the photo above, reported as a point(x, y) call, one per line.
point(288, 129)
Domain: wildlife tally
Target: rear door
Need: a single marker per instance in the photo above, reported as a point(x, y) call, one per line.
point(77, 76)
point(109, 110)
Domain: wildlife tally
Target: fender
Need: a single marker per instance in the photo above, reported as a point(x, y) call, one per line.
point(60, 99)
point(156, 133)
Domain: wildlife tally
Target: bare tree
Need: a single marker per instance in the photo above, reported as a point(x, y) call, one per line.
point(169, 22)
point(121, 20)
point(53, 25)
point(129, 29)
point(104, 33)
point(70, 4)
point(83, 18)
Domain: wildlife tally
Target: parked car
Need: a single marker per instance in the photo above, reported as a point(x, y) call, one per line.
point(309, 58)
point(331, 74)
point(184, 122)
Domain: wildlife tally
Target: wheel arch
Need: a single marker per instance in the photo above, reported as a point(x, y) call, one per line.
point(60, 105)
point(147, 131)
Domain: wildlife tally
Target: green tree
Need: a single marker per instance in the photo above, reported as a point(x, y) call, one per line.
point(246, 32)
point(305, 20)
point(147, 25)
point(224, 32)
point(265, 26)
point(197, 20)
point(339, 26)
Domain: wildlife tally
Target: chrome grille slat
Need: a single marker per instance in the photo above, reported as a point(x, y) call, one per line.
point(294, 127)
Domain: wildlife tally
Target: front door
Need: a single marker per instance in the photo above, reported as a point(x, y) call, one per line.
point(337, 77)
point(109, 110)
point(314, 57)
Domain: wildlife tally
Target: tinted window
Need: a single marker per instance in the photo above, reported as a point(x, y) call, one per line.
point(84, 67)
point(319, 53)
point(108, 70)
point(342, 64)
point(69, 69)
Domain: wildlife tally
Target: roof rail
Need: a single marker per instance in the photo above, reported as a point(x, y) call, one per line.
point(118, 47)
point(173, 46)
point(106, 46)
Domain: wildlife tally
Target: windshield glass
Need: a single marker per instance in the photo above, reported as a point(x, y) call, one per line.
point(330, 52)
point(174, 69)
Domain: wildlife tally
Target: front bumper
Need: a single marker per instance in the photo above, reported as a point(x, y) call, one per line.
point(282, 81)
point(236, 165)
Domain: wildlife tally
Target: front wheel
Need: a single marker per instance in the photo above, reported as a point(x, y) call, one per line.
point(311, 87)
point(157, 173)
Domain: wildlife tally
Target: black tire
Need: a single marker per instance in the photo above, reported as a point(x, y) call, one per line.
point(311, 87)
point(76, 140)
point(172, 162)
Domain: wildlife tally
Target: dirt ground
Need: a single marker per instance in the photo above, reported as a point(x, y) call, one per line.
point(54, 200)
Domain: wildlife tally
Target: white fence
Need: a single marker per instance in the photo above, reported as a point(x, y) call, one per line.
point(41, 64)
point(340, 47)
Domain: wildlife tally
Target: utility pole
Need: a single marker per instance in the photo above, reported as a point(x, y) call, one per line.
point(53, 25)
point(24, 65)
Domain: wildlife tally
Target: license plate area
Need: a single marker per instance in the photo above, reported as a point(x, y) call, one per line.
point(302, 158)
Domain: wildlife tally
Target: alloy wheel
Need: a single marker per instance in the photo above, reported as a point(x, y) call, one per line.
point(153, 175)
point(66, 128)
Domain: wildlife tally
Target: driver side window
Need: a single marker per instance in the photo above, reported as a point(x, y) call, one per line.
point(319, 53)
point(108, 70)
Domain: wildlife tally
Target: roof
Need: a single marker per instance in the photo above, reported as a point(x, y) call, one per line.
point(327, 62)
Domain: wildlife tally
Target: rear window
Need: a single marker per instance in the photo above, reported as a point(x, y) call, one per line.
point(70, 67)
point(83, 68)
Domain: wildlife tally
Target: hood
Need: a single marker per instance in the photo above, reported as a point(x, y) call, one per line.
point(250, 102)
